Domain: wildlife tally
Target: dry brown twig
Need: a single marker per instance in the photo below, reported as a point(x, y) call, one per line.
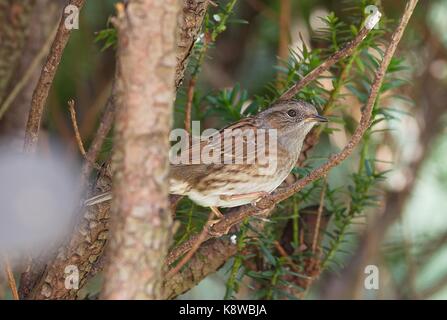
point(105, 125)
point(43, 86)
point(284, 254)
point(71, 108)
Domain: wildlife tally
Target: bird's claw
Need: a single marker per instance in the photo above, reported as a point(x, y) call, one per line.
point(214, 233)
point(263, 198)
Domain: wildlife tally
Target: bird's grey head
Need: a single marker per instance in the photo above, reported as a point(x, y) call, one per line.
point(291, 116)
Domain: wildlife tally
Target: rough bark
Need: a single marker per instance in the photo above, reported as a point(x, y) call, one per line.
point(209, 258)
point(83, 251)
point(193, 14)
point(145, 91)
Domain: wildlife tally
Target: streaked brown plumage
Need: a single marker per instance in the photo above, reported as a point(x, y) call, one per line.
point(213, 184)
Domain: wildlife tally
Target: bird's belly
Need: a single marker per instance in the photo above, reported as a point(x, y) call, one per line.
point(208, 197)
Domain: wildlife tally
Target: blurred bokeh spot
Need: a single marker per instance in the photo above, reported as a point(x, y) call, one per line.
point(38, 199)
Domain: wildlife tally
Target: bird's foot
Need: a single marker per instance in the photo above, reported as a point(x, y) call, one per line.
point(213, 231)
point(211, 223)
point(259, 198)
point(263, 204)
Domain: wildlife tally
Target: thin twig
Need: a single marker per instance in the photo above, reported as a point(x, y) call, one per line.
point(28, 74)
point(284, 254)
point(11, 280)
point(190, 97)
point(71, 107)
point(200, 239)
point(105, 125)
point(45, 81)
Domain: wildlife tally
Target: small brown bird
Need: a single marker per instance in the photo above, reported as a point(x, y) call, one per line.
point(237, 176)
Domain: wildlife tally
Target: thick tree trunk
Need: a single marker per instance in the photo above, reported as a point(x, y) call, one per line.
point(141, 230)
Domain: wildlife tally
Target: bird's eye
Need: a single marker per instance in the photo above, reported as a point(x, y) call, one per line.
point(291, 113)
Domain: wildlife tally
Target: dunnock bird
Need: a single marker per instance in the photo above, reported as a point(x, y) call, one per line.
point(224, 183)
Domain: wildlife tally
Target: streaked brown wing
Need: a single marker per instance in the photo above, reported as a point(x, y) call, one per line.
point(241, 147)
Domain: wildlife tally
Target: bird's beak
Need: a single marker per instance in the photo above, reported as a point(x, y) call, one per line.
point(317, 118)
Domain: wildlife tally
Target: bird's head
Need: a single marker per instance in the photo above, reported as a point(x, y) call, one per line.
point(290, 116)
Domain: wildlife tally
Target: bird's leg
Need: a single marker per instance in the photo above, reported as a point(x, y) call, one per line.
point(217, 212)
point(257, 195)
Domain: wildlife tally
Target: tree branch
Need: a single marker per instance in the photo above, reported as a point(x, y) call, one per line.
point(46, 80)
point(105, 125)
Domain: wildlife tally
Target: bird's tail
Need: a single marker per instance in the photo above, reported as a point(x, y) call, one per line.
point(103, 197)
